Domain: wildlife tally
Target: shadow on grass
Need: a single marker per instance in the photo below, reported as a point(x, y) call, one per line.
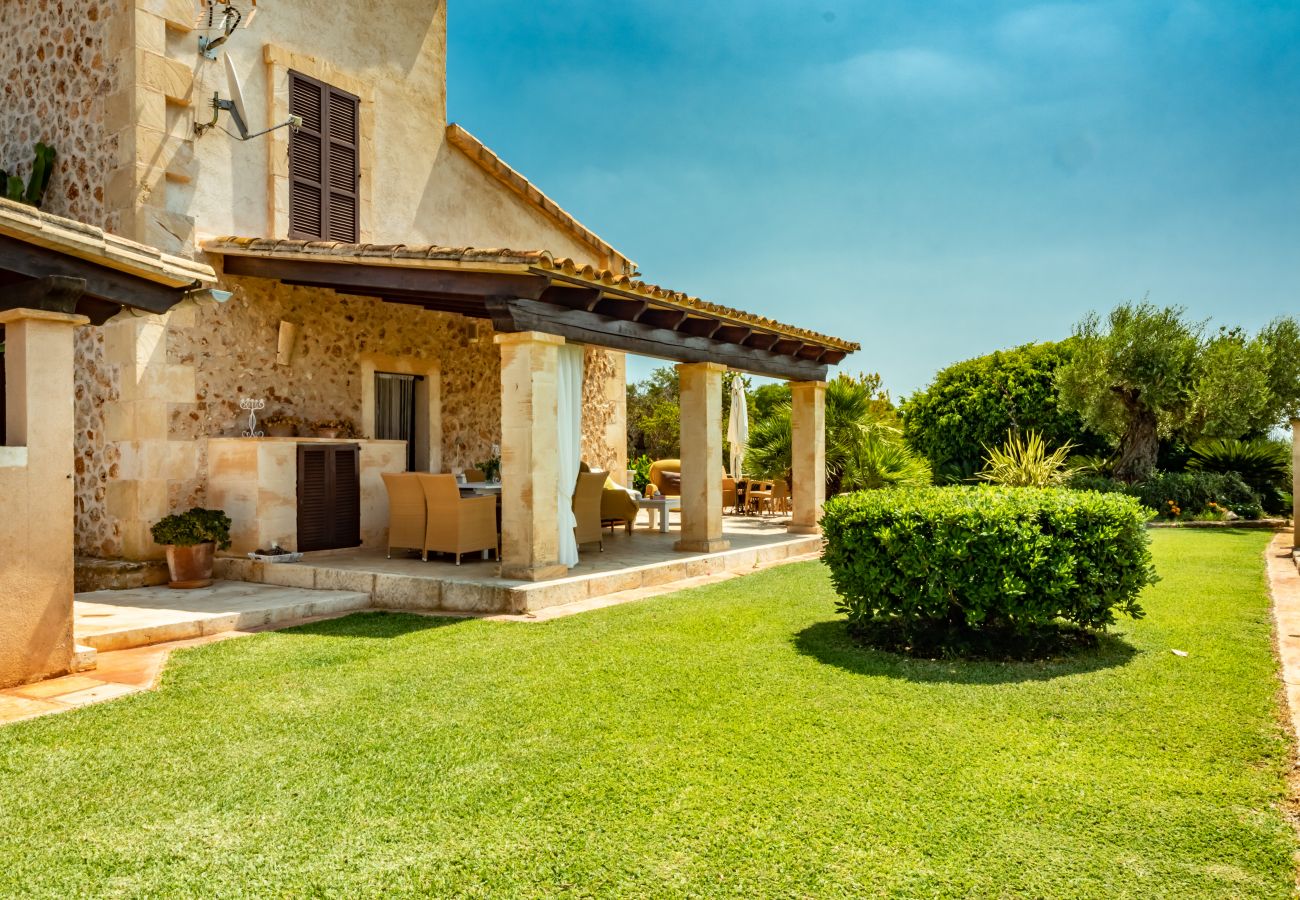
point(829, 643)
point(377, 624)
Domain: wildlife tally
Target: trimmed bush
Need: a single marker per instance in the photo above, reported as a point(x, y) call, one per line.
point(983, 571)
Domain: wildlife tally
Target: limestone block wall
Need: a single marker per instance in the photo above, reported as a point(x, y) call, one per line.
point(57, 70)
point(256, 483)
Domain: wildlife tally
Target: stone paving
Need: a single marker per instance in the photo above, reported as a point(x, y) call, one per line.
point(1284, 585)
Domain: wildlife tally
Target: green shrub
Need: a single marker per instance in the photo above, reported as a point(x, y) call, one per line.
point(1191, 494)
point(1090, 481)
point(1025, 462)
point(197, 526)
point(979, 571)
point(973, 404)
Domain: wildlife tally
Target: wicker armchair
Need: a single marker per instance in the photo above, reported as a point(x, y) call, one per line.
point(406, 511)
point(456, 524)
point(666, 476)
point(586, 508)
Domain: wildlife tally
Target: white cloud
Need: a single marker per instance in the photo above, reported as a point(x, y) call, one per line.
point(907, 73)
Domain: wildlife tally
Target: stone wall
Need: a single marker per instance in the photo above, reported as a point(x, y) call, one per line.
point(57, 74)
point(231, 350)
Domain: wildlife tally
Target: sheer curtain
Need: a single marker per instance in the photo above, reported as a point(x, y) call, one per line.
point(569, 411)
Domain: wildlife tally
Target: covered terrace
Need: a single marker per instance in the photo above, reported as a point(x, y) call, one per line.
point(536, 304)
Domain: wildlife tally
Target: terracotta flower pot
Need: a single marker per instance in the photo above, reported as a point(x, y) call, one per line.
point(327, 432)
point(289, 430)
point(190, 567)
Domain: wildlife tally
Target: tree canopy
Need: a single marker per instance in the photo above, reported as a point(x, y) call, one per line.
point(1147, 372)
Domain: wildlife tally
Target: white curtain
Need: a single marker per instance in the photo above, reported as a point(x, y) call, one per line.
point(569, 411)
point(738, 427)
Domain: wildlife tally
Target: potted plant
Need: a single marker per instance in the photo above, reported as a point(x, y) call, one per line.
point(335, 428)
point(281, 425)
point(191, 539)
point(491, 468)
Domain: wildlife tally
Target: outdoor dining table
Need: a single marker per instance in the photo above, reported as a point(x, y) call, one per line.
point(481, 487)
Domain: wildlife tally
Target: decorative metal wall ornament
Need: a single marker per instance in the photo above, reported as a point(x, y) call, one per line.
point(253, 407)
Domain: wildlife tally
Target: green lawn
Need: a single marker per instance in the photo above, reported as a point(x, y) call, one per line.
point(726, 741)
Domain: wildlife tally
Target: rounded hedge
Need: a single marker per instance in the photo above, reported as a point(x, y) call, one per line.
point(984, 570)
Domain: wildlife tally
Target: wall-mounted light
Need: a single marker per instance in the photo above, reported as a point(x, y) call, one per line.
point(209, 295)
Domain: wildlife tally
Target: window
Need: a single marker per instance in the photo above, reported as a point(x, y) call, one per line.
point(324, 169)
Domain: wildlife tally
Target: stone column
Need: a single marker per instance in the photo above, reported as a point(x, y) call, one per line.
point(1295, 482)
point(138, 422)
point(808, 462)
point(701, 439)
point(36, 495)
point(529, 445)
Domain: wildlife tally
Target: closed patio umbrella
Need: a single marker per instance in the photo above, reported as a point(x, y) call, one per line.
point(738, 427)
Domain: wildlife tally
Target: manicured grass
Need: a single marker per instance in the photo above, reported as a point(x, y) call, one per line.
point(724, 741)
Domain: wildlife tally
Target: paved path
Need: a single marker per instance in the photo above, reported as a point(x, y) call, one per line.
point(1284, 584)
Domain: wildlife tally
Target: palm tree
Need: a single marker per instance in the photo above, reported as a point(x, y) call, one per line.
point(864, 445)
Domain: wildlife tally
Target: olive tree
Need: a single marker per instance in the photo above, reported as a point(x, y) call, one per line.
point(1147, 371)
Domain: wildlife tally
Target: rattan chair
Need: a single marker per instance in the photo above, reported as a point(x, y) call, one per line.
point(456, 524)
point(729, 493)
point(406, 511)
point(759, 496)
point(586, 508)
point(475, 475)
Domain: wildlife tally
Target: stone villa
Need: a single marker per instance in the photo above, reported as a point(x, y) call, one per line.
point(319, 267)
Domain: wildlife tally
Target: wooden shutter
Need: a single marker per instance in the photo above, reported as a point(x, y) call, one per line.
point(329, 496)
point(324, 162)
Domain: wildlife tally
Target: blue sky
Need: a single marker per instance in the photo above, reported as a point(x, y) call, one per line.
point(934, 180)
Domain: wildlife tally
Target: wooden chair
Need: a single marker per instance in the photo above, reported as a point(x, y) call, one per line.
point(456, 524)
point(475, 475)
point(406, 511)
point(586, 508)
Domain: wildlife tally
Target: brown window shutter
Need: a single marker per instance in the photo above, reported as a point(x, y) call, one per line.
point(324, 162)
point(313, 498)
point(329, 496)
point(347, 496)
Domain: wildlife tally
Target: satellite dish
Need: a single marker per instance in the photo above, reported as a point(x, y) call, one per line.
point(236, 96)
point(238, 111)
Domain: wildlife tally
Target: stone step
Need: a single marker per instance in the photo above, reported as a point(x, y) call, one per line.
point(83, 658)
point(118, 620)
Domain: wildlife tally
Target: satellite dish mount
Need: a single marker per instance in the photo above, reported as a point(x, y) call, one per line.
point(235, 107)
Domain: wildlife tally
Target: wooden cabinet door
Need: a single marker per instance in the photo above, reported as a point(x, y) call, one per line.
point(329, 496)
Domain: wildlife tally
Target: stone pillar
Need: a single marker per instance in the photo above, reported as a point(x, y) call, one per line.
point(530, 543)
point(138, 422)
point(1295, 482)
point(701, 439)
point(808, 456)
point(36, 495)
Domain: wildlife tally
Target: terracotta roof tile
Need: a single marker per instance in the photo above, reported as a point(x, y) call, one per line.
point(540, 261)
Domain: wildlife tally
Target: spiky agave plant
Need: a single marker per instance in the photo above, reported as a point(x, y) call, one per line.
point(1025, 462)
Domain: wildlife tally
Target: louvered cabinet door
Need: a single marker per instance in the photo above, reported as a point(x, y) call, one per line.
point(329, 496)
point(324, 163)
